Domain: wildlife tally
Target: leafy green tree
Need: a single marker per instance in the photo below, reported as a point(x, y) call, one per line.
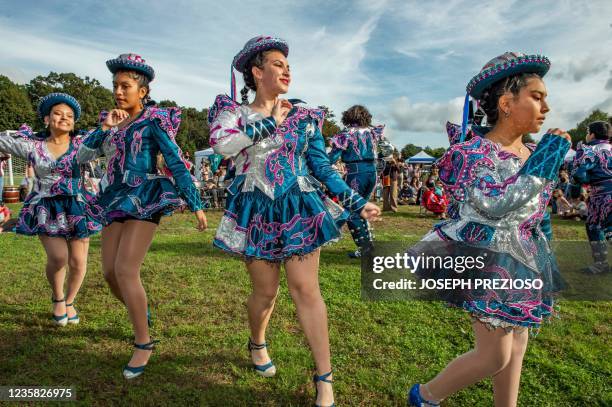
point(409, 150)
point(194, 132)
point(435, 152)
point(16, 107)
point(330, 127)
point(579, 132)
point(92, 96)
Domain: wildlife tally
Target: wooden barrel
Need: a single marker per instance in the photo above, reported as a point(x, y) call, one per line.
point(10, 194)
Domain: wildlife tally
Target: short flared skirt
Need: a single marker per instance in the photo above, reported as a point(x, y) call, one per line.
point(519, 308)
point(294, 224)
point(146, 201)
point(66, 216)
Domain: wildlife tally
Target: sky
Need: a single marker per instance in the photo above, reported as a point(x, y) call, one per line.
point(407, 61)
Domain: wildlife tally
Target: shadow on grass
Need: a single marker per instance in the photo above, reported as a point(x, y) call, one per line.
point(91, 359)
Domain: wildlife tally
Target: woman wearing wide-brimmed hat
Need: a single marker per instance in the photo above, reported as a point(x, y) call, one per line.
point(133, 195)
point(499, 189)
point(58, 210)
point(276, 212)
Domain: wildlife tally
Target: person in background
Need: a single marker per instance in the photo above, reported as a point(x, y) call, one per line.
point(564, 208)
point(357, 148)
point(3, 160)
point(5, 218)
point(593, 166)
point(581, 206)
point(390, 179)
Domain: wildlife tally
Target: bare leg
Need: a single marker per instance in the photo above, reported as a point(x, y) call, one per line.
point(303, 282)
point(77, 262)
point(111, 236)
point(136, 237)
point(265, 279)
point(491, 354)
point(57, 259)
point(506, 382)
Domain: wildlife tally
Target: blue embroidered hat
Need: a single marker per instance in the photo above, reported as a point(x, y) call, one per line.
point(52, 99)
point(255, 45)
point(131, 62)
point(507, 64)
point(500, 67)
point(252, 47)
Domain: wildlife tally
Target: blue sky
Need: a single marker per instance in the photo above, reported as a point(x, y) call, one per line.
point(407, 61)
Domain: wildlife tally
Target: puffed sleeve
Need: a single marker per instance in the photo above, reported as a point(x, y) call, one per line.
point(496, 198)
point(321, 167)
point(338, 145)
point(584, 162)
point(166, 123)
point(21, 145)
point(91, 145)
point(378, 132)
point(229, 131)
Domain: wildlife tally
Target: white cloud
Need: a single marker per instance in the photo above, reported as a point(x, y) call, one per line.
point(407, 61)
point(424, 117)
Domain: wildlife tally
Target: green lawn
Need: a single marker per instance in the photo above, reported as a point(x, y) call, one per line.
point(198, 298)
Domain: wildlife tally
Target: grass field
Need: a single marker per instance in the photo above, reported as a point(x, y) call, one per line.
point(198, 299)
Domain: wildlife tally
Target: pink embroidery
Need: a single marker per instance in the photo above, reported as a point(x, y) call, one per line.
point(118, 157)
point(304, 232)
point(136, 145)
point(64, 167)
point(352, 136)
point(285, 155)
point(460, 163)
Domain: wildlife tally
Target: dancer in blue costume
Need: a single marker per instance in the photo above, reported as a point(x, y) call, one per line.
point(499, 189)
point(593, 165)
point(59, 210)
point(356, 145)
point(133, 195)
point(275, 209)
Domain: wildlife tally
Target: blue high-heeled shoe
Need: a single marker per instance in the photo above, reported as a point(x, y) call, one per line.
point(130, 372)
point(322, 378)
point(75, 319)
point(266, 370)
point(60, 320)
point(415, 399)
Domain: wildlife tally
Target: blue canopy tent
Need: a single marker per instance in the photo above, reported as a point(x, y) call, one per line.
point(421, 158)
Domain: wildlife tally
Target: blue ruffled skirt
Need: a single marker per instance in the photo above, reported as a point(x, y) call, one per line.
point(294, 224)
point(141, 200)
point(59, 216)
point(505, 308)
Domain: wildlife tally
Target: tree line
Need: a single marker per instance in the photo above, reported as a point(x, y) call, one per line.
point(18, 105)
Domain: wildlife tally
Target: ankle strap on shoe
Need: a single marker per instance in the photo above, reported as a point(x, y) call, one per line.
point(257, 346)
point(146, 346)
point(323, 378)
point(54, 300)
